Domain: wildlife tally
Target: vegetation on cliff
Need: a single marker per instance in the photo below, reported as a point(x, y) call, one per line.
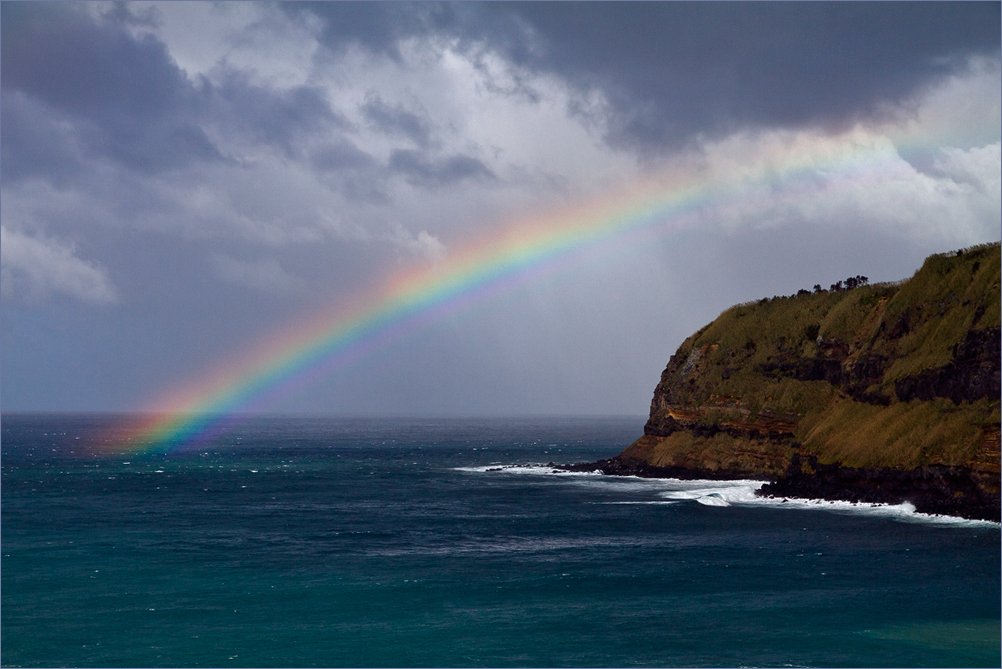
point(859, 379)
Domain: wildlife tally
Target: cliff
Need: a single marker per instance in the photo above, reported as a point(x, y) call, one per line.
point(886, 393)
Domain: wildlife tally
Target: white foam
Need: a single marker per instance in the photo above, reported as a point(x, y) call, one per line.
point(742, 493)
point(904, 512)
point(715, 493)
point(663, 501)
point(532, 469)
point(594, 479)
point(725, 493)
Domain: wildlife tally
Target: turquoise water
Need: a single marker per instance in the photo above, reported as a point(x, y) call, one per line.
point(374, 542)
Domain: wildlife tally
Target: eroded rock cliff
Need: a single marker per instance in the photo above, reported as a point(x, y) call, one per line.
point(886, 392)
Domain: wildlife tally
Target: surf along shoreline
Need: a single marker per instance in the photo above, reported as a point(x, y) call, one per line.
point(930, 490)
point(883, 394)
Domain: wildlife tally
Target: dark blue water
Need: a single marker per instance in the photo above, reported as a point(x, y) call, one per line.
point(374, 542)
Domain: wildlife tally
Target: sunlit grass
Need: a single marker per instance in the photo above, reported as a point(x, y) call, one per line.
point(754, 360)
point(904, 434)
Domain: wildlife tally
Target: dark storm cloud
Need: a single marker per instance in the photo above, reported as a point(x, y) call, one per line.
point(674, 71)
point(343, 156)
point(34, 144)
point(344, 167)
point(79, 88)
point(378, 26)
point(422, 171)
point(127, 99)
point(278, 118)
point(57, 53)
point(395, 120)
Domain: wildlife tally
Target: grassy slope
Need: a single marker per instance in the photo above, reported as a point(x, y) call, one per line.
point(878, 336)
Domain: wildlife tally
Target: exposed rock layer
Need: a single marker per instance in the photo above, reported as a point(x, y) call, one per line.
point(883, 393)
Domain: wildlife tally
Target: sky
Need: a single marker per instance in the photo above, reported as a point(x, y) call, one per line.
point(183, 182)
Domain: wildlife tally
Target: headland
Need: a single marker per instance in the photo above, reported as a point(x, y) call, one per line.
point(860, 392)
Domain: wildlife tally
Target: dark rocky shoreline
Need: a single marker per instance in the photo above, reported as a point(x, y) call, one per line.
point(894, 387)
point(950, 491)
point(625, 466)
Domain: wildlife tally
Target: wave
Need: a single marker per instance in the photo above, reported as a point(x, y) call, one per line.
point(740, 492)
point(715, 493)
point(743, 493)
point(533, 469)
point(904, 512)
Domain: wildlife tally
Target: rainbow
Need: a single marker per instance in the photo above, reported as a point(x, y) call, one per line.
point(471, 273)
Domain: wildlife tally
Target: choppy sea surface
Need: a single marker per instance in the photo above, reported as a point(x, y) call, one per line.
point(421, 542)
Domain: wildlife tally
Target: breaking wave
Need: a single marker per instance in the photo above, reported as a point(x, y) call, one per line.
point(722, 494)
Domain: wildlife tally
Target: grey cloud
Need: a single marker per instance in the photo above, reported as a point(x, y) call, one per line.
point(127, 14)
point(34, 143)
point(353, 172)
point(396, 120)
point(34, 268)
point(673, 71)
point(980, 168)
point(151, 148)
point(59, 54)
point(265, 275)
point(378, 26)
point(677, 71)
point(279, 118)
point(339, 157)
point(129, 98)
point(122, 98)
point(423, 171)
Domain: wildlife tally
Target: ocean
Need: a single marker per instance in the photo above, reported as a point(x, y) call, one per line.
point(371, 542)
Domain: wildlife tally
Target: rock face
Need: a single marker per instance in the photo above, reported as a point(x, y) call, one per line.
point(884, 393)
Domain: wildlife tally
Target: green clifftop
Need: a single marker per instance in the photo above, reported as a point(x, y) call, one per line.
point(846, 393)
